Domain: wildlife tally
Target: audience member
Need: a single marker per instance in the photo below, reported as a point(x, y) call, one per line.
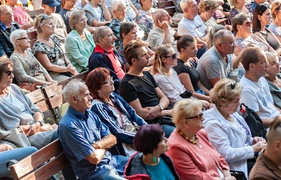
point(228, 131)
point(27, 69)
point(48, 51)
point(105, 56)
point(212, 33)
point(7, 26)
point(150, 162)
point(140, 90)
point(161, 33)
point(131, 10)
point(97, 13)
point(191, 151)
point(68, 6)
point(186, 67)
point(216, 63)
point(261, 19)
point(273, 78)
point(79, 43)
point(239, 7)
point(207, 9)
point(17, 110)
point(85, 139)
point(255, 3)
point(268, 162)
point(113, 111)
point(144, 17)
point(255, 93)
point(275, 25)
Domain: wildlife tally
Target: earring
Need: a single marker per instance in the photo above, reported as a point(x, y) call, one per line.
point(154, 159)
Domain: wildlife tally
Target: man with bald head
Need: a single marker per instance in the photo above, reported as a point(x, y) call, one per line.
point(268, 163)
point(7, 26)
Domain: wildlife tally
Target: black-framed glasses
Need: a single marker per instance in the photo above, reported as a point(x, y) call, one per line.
point(9, 73)
point(108, 81)
point(45, 16)
point(173, 56)
point(25, 38)
point(199, 116)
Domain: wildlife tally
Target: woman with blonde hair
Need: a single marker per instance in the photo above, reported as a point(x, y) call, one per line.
point(191, 151)
point(275, 25)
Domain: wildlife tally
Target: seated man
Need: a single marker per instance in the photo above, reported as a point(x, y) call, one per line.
point(268, 163)
point(105, 56)
point(255, 93)
point(140, 90)
point(85, 138)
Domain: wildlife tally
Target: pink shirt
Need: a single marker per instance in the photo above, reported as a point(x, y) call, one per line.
point(21, 15)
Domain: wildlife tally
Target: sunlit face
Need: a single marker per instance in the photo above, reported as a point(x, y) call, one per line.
point(265, 18)
point(120, 12)
point(232, 106)
point(132, 35)
point(162, 146)
point(143, 57)
point(7, 77)
point(69, 4)
point(84, 100)
point(190, 51)
point(107, 86)
point(247, 26)
point(81, 23)
point(23, 42)
point(273, 67)
point(209, 13)
point(228, 44)
point(165, 17)
point(7, 15)
point(260, 68)
point(195, 123)
point(147, 3)
point(170, 60)
point(109, 39)
point(49, 10)
point(193, 8)
point(48, 26)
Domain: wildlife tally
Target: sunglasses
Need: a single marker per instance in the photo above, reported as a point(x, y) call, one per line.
point(45, 16)
point(233, 84)
point(248, 23)
point(199, 116)
point(9, 73)
point(173, 56)
point(26, 38)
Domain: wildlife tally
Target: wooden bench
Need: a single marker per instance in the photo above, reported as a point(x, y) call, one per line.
point(34, 13)
point(37, 97)
point(42, 164)
point(168, 6)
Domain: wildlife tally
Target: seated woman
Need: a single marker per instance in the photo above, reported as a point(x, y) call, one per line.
point(261, 19)
point(7, 153)
point(97, 13)
point(113, 111)
point(79, 43)
point(273, 78)
point(227, 130)
point(207, 9)
point(144, 17)
point(17, 110)
point(191, 151)
point(161, 33)
point(186, 67)
point(239, 7)
point(27, 69)
point(275, 25)
point(48, 52)
point(150, 162)
point(244, 36)
point(212, 33)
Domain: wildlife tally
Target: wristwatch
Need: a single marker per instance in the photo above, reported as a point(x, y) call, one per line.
point(161, 108)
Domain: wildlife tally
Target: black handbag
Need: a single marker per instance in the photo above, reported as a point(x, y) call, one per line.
point(239, 175)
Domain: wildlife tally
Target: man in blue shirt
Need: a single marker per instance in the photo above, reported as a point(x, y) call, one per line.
point(85, 139)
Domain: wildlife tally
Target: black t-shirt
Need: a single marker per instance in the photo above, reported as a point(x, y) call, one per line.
point(139, 87)
point(193, 73)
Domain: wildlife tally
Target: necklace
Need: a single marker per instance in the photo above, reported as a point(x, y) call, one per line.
point(189, 140)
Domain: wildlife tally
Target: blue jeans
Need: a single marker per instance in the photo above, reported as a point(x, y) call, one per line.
point(15, 154)
point(167, 129)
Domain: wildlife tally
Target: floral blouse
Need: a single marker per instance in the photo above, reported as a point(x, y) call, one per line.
point(145, 21)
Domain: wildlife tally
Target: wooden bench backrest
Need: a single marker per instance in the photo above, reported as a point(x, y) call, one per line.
point(168, 6)
point(37, 97)
point(34, 13)
point(42, 164)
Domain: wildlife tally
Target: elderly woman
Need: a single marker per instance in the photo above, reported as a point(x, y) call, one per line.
point(48, 51)
point(273, 78)
point(17, 110)
point(239, 6)
point(275, 25)
point(27, 69)
point(97, 13)
point(167, 78)
point(161, 33)
point(151, 161)
point(144, 17)
point(191, 151)
point(207, 9)
point(244, 37)
point(119, 11)
point(113, 110)
point(261, 19)
point(79, 43)
point(227, 130)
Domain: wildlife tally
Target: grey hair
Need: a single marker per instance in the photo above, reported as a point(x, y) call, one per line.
point(72, 89)
point(158, 14)
point(116, 3)
point(2, 7)
point(184, 4)
point(73, 20)
point(100, 33)
point(219, 36)
point(16, 34)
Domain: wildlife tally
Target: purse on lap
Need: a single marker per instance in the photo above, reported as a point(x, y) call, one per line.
point(15, 136)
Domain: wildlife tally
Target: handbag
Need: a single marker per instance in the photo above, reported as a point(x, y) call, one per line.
point(239, 175)
point(15, 136)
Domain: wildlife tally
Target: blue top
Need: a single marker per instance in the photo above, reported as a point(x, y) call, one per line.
point(160, 171)
point(77, 132)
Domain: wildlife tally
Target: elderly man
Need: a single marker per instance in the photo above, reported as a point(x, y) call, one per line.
point(216, 63)
point(255, 92)
point(85, 138)
point(140, 90)
point(7, 26)
point(105, 56)
point(268, 163)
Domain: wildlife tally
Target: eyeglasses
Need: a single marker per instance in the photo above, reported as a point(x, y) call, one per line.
point(248, 23)
point(9, 73)
point(83, 19)
point(108, 81)
point(45, 16)
point(199, 116)
point(26, 38)
point(174, 56)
